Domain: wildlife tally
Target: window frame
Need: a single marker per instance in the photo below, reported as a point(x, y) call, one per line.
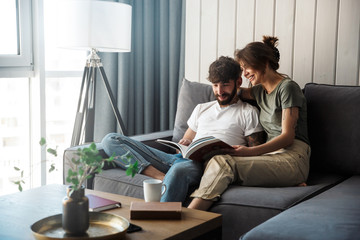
point(20, 65)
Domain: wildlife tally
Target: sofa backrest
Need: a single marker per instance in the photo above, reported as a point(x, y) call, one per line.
point(334, 127)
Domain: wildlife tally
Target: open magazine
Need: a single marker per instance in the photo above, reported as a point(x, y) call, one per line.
point(199, 150)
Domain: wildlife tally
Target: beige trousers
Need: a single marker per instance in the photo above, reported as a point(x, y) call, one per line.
point(286, 167)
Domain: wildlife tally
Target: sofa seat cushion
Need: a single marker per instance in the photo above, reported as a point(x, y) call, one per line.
point(251, 206)
point(333, 214)
point(116, 181)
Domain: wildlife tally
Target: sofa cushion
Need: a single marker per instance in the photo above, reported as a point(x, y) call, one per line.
point(116, 181)
point(191, 94)
point(333, 214)
point(334, 127)
point(251, 206)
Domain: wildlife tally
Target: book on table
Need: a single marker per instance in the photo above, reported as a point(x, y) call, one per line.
point(155, 210)
point(98, 204)
point(199, 150)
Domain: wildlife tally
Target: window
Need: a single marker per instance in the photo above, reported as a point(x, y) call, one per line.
point(34, 102)
point(16, 46)
point(14, 132)
point(64, 69)
point(8, 24)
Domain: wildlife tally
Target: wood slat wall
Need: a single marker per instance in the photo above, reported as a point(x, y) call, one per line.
point(319, 40)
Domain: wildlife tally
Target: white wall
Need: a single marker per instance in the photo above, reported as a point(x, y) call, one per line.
point(319, 40)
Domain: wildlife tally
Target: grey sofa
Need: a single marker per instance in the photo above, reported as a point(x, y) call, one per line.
point(328, 208)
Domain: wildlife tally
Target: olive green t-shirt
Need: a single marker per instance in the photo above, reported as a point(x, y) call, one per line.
point(286, 94)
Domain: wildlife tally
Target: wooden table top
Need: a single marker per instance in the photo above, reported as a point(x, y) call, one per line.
point(20, 210)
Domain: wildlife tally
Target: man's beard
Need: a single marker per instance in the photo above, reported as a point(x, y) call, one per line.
point(229, 99)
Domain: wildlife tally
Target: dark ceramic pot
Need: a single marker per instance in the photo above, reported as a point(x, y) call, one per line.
point(75, 218)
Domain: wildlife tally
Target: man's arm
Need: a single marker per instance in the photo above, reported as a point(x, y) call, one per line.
point(188, 137)
point(256, 138)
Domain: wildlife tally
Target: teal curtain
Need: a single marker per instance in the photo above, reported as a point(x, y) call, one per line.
point(145, 82)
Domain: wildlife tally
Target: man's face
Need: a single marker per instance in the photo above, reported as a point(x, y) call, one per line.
point(224, 92)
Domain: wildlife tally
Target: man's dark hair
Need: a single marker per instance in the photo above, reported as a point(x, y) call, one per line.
point(223, 70)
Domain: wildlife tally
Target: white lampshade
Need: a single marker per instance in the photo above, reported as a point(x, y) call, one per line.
point(87, 24)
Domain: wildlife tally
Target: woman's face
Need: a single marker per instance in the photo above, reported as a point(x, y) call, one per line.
point(254, 76)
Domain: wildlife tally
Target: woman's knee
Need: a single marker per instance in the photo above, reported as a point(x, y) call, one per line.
point(222, 162)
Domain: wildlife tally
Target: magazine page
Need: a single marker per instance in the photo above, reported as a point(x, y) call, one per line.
point(174, 145)
point(200, 141)
point(206, 149)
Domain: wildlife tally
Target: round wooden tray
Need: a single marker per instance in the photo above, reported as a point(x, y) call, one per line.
point(102, 226)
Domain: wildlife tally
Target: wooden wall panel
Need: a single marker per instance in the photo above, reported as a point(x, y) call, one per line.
point(319, 40)
point(284, 30)
point(245, 22)
point(227, 28)
point(209, 37)
point(264, 18)
point(325, 41)
point(245, 27)
point(347, 68)
point(304, 41)
point(192, 39)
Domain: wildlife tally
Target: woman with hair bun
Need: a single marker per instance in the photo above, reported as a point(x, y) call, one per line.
point(283, 160)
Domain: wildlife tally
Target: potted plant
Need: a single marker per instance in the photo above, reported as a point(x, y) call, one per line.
point(75, 218)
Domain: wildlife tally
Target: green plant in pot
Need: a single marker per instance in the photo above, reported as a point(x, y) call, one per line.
point(75, 218)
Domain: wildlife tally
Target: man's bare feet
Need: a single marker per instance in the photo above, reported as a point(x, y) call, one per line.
point(302, 184)
point(150, 171)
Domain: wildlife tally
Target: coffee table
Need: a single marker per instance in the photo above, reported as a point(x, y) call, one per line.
point(20, 210)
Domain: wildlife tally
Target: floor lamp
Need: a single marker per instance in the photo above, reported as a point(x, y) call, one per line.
point(98, 26)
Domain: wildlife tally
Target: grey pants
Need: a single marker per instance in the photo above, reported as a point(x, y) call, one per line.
point(286, 167)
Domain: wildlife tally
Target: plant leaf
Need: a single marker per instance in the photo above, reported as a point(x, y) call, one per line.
point(42, 141)
point(52, 168)
point(52, 151)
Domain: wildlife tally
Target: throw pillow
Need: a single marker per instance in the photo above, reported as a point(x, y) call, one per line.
point(191, 94)
point(333, 127)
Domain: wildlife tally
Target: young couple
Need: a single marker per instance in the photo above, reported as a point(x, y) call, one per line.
point(282, 160)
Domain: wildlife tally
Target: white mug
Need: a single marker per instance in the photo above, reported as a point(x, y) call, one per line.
point(153, 190)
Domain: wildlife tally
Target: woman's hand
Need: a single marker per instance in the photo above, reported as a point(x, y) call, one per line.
point(185, 141)
point(240, 150)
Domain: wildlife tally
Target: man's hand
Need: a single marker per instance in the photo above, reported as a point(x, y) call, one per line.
point(188, 137)
point(185, 141)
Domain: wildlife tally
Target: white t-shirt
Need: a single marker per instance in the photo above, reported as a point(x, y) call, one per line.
point(230, 124)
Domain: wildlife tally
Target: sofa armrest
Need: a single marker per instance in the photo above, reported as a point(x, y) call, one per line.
point(153, 136)
point(148, 139)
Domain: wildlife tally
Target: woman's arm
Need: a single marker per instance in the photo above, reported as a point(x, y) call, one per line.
point(245, 93)
point(286, 138)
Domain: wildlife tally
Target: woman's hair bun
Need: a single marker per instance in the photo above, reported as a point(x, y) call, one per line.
point(272, 42)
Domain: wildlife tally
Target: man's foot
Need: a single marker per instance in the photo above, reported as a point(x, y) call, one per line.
point(302, 184)
point(200, 204)
point(150, 171)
